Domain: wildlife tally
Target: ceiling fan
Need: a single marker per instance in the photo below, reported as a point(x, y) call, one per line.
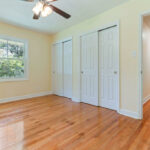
point(44, 8)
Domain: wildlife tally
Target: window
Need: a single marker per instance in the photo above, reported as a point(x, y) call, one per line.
point(13, 59)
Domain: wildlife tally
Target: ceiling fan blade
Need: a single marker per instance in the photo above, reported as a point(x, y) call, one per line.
point(36, 17)
point(28, 0)
point(60, 12)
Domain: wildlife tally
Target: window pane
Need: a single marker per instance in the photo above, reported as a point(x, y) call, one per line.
point(3, 48)
point(15, 49)
point(10, 68)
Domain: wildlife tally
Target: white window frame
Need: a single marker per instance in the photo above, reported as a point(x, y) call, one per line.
point(26, 61)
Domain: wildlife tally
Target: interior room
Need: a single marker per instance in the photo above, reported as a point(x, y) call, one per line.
point(74, 75)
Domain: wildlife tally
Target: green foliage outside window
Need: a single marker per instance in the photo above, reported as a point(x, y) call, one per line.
point(11, 59)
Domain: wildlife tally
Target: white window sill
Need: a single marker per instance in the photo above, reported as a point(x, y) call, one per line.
point(14, 80)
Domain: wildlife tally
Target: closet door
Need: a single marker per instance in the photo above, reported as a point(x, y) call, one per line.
point(67, 74)
point(109, 67)
point(89, 68)
point(57, 69)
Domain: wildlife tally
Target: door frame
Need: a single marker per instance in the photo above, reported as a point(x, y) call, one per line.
point(140, 66)
point(57, 42)
point(117, 24)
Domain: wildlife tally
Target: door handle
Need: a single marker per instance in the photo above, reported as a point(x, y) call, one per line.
point(82, 72)
point(115, 72)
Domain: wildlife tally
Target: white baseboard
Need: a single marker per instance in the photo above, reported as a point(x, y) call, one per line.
point(17, 98)
point(146, 99)
point(76, 99)
point(128, 113)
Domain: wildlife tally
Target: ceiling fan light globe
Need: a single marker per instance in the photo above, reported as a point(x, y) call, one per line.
point(38, 8)
point(46, 11)
point(49, 0)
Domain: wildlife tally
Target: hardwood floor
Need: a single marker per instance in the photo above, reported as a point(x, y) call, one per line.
point(55, 123)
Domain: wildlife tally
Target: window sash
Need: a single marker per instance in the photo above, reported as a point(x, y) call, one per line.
point(12, 58)
point(7, 50)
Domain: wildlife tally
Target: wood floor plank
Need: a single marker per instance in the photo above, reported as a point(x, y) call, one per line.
point(57, 123)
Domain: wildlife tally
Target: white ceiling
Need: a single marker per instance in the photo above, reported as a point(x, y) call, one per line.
point(19, 13)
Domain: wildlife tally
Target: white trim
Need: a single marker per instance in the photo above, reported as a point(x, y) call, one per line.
point(18, 98)
point(13, 79)
point(146, 99)
point(128, 113)
point(117, 24)
point(101, 28)
point(26, 59)
point(74, 99)
point(140, 66)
